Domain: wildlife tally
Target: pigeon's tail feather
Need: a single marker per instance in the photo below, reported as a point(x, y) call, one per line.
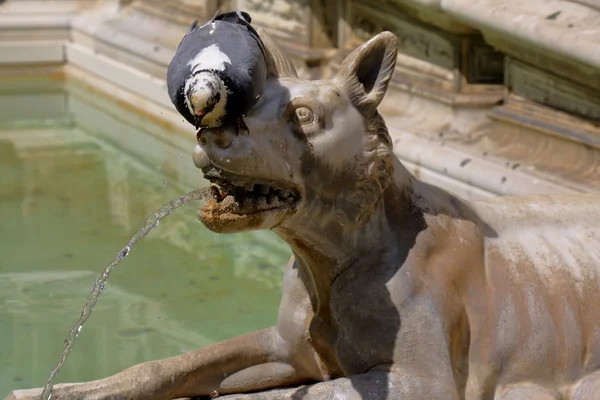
point(193, 26)
point(245, 16)
point(215, 16)
point(235, 17)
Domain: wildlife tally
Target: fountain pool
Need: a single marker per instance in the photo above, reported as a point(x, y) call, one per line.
point(79, 176)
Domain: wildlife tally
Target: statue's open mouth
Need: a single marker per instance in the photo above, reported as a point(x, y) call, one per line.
point(243, 195)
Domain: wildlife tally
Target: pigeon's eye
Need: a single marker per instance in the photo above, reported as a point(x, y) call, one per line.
point(303, 116)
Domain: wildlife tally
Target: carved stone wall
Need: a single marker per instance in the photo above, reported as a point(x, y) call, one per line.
point(458, 66)
point(488, 97)
point(510, 101)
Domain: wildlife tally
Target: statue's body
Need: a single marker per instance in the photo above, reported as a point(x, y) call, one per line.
point(397, 289)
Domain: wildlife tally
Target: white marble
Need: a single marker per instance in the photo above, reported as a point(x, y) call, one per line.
point(32, 52)
point(559, 27)
point(124, 47)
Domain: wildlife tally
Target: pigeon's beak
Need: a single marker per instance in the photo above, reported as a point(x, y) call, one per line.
point(198, 118)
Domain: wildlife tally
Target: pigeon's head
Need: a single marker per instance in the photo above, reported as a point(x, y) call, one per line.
point(206, 97)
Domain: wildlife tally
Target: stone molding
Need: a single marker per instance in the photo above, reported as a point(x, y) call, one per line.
point(546, 29)
point(489, 80)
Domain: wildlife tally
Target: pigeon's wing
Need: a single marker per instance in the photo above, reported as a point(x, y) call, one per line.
point(249, 63)
point(244, 19)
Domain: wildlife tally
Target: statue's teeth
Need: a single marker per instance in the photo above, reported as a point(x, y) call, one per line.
point(216, 192)
point(261, 202)
point(264, 189)
point(249, 186)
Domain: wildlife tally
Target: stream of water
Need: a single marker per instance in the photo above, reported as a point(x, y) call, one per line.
point(150, 223)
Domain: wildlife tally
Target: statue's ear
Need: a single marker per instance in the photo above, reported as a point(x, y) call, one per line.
point(278, 64)
point(367, 71)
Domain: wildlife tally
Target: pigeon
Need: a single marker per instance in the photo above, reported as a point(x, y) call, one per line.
point(218, 72)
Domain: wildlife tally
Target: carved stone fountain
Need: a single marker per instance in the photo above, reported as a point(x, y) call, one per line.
point(484, 98)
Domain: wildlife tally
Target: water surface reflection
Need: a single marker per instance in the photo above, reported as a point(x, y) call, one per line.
point(69, 200)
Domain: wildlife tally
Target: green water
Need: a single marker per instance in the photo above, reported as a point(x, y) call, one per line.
point(69, 199)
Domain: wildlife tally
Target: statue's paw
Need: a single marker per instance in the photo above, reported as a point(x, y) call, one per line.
point(267, 395)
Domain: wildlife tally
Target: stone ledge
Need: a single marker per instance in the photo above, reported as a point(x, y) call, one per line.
point(142, 40)
point(41, 20)
point(547, 121)
point(568, 95)
point(156, 117)
point(557, 28)
point(127, 77)
point(122, 50)
point(488, 175)
point(141, 36)
point(32, 52)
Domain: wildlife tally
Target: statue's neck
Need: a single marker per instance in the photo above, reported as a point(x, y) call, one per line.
point(324, 247)
point(329, 251)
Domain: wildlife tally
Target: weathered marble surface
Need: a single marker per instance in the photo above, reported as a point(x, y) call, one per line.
point(557, 27)
point(467, 74)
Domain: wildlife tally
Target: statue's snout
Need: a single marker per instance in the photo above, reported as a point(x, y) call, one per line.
point(218, 138)
point(200, 158)
point(222, 144)
point(211, 141)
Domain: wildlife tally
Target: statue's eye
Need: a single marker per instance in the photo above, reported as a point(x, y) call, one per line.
point(303, 116)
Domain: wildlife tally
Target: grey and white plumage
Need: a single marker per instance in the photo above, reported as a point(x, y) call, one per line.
point(218, 72)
